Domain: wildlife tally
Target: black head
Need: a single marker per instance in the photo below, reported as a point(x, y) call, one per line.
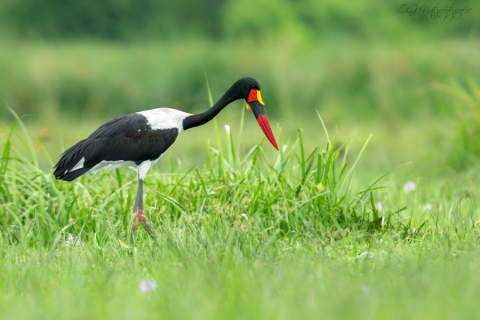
point(241, 88)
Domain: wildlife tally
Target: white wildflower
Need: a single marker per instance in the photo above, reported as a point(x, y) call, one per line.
point(379, 206)
point(427, 207)
point(227, 129)
point(245, 216)
point(284, 148)
point(409, 186)
point(147, 285)
point(71, 240)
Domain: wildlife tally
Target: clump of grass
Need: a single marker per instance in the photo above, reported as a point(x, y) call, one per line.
point(299, 194)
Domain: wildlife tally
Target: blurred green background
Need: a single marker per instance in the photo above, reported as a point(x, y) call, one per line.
point(411, 80)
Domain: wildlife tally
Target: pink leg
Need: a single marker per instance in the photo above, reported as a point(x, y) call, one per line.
point(140, 216)
point(139, 213)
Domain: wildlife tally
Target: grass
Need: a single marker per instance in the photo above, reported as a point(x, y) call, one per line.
point(246, 235)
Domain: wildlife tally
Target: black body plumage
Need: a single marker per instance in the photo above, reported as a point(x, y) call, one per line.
point(126, 138)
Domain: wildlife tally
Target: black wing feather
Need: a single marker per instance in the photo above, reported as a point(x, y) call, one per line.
point(127, 138)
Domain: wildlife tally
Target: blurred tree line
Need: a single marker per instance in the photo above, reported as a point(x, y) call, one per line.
point(349, 57)
point(225, 19)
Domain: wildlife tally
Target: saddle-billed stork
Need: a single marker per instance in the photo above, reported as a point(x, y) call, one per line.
point(139, 139)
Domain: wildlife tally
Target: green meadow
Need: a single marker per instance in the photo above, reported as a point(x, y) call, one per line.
point(368, 211)
point(309, 232)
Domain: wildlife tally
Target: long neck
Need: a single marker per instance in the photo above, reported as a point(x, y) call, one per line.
point(196, 120)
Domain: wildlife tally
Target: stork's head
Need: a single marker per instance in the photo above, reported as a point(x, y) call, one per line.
point(249, 89)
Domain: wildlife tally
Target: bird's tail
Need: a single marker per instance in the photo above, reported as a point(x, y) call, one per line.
point(72, 163)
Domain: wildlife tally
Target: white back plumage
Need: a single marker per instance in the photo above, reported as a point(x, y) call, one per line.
point(165, 118)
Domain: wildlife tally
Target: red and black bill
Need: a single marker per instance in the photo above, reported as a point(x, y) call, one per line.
point(256, 104)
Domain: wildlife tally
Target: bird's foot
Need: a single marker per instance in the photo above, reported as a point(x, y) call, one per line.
point(140, 216)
